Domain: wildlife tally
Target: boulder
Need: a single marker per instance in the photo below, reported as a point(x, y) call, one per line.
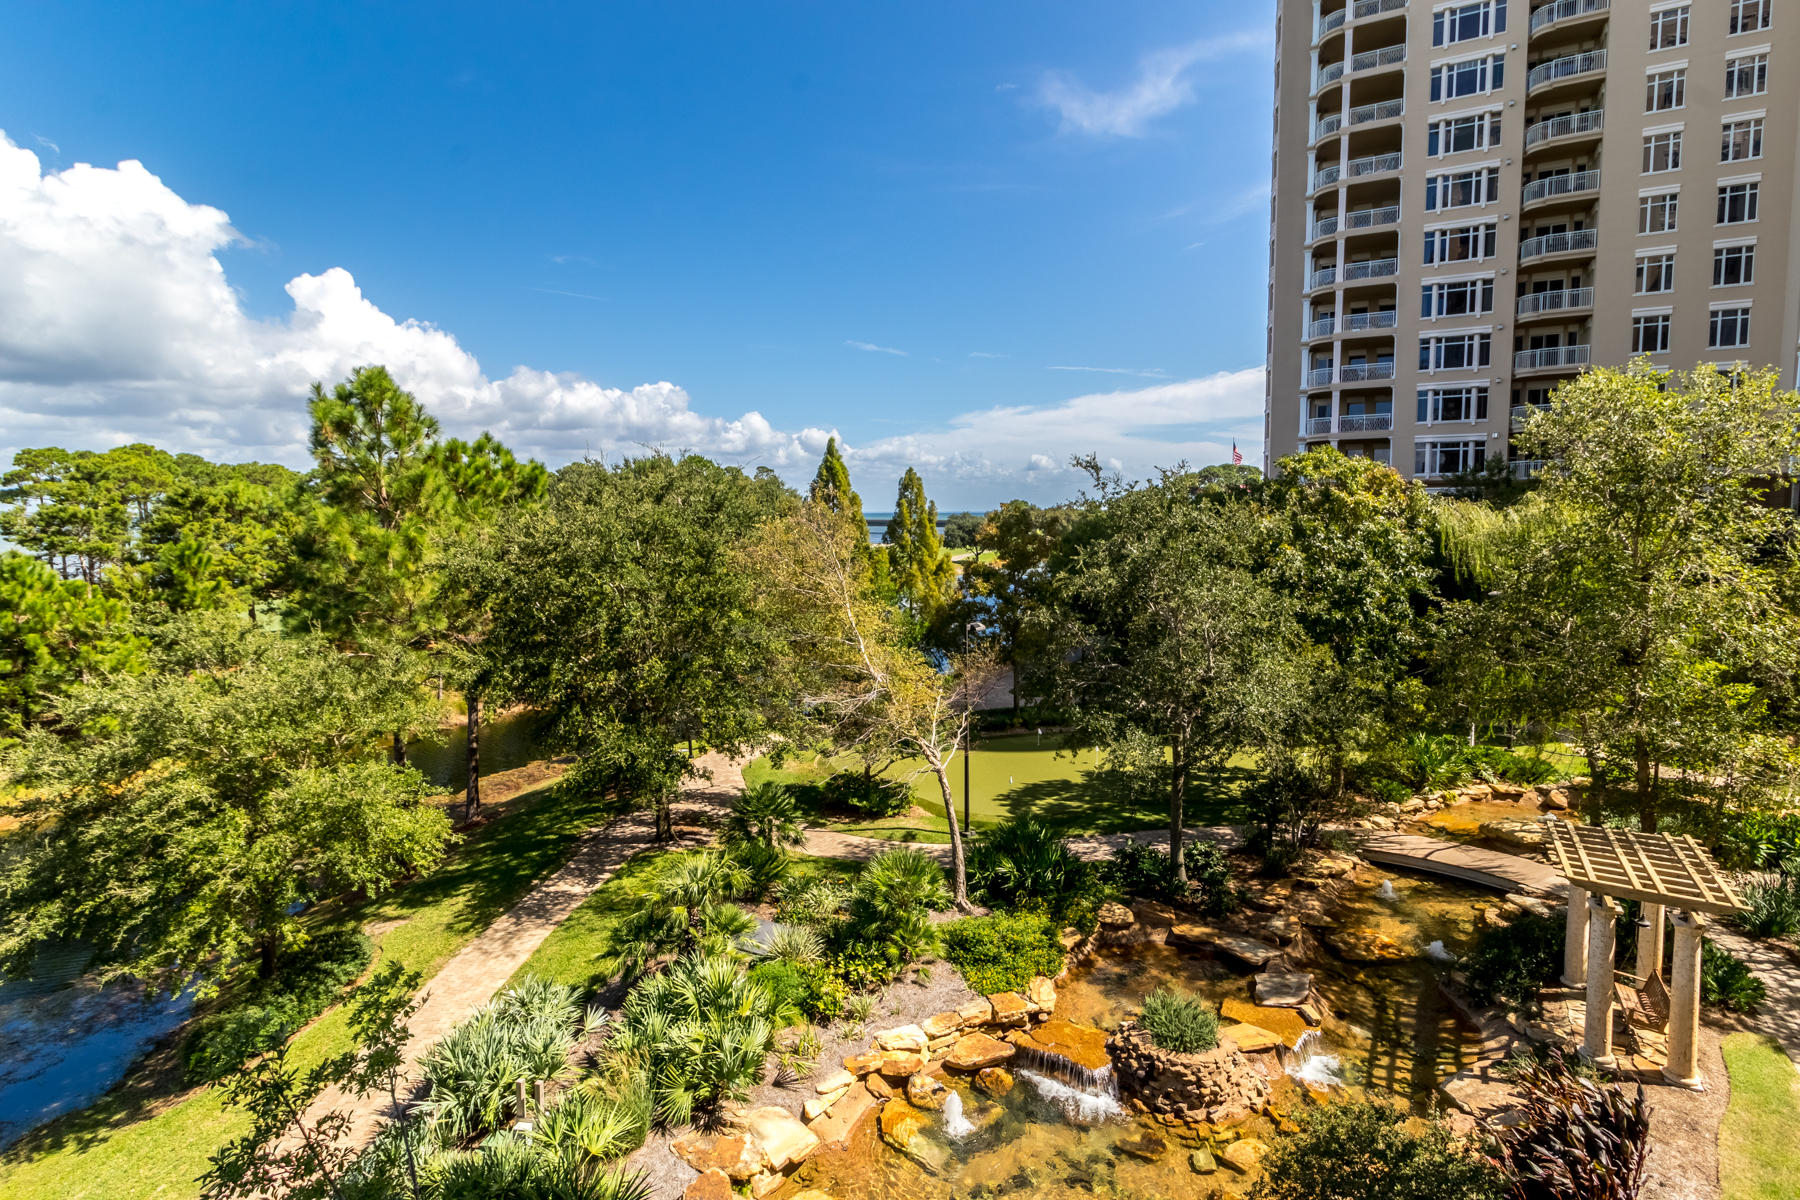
point(900, 1064)
point(1202, 1161)
point(1368, 946)
point(834, 1082)
point(1082, 1045)
point(818, 1106)
point(784, 1140)
point(766, 1184)
point(1041, 993)
point(713, 1184)
point(1146, 1144)
point(903, 1037)
point(1247, 950)
point(878, 1087)
point(1558, 799)
point(1416, 804)
point(994, 1081)
point(903, 1127)
point(1243, 1156)
point(1249, 1039)
point(835, 1127)
point(1010, 1008)
point(941, 1024)
point(1283, 989)
point(1516, 833)
point(922, 1091)
point(1285, 1023)
point(737, 1155)
point(976, 1012)
point(1114, 915)
point(862, 1064)
point(973, 1051)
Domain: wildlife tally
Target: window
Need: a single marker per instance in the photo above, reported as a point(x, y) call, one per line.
point(1664, 90)
point(1467, 21)
point(1456, 352)
point(1465, 243)
point(1662, 152)
point(1734, 265)
point(1448, 458)
point(1655, 273)
point(1480, 186)
point(1737, 202)
point(1656, 214)
point(1746, 75)
point(1730, 328)
point(1452, 404)
point(1741, 140)
point(1669, 28)
point(1468, 78)
point(1747, 16)
point(1453, 136)
point(1650, 335)
point(1461, 298)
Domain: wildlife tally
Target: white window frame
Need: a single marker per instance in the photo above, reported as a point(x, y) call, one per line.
point(1432, 345)
point(1752, 196)
point(1715, 312)
point(1670, 205)
point(1681, 13)
point(1489, 124)
point(1748, 16)
point(1663, 320)
point(1756, 61)
point(1488, 66)
point(1448, 13)
point(1673, 75)
point(1475, 230)
point(1431, 399)
point(1672, 139)
point(1746, 255)
point(1440, 183)
point(1438, 286)
point(1661, 256)
point(1428, 454)
point(1755, 122)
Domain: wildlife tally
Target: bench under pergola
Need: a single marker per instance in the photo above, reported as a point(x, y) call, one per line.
point(1675, 880)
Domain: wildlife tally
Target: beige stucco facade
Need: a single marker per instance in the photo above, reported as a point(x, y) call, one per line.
point(1473, 201)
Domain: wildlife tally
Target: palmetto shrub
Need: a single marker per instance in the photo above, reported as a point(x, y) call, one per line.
point(766, 813)
point(1368, 1150)
point(1178, 1022)
point(795, 944)
point(890, 911)
point(508, 1167)
point(682, 905)
point(1774, 904)
point(604, 1119)
point(1021, 863)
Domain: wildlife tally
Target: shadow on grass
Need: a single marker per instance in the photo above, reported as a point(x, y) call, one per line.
point(1103, 801)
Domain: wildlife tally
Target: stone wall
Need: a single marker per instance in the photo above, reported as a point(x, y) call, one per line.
point(1215, 1085)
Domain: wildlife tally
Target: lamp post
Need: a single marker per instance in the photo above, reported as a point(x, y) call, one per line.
point(968, 721)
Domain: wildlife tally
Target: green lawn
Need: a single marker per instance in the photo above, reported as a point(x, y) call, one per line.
point(151, 1141)
point(1012, 776)
point(1759, 1140)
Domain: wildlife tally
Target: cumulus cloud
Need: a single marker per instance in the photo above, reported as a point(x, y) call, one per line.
point(1164, 83)
point(118, 324)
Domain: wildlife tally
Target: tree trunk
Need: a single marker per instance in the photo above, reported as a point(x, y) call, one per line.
point(959, 871)
point(1177, 802)
point(398, 751)
point(665, 816)
point(472, 803)
point(266, 951)
point(1646, 785)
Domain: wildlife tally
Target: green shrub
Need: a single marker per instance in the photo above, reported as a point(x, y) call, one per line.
point(872, 796)
point(810, 900)
point(1179, 1022)
point(701, 1031)
point(1726, 982)
point(1774, 902)
point(304, 985)
point(1507, 965)
point(1496, 762)
point(765, 814)
point(889, 917)
point(809, 988)
point(1020, 862)
point(1367, 1150)
point(526, 1032)
point(764, 867)
point(1747, 841)
point(1143, 870)
point(1001, 953)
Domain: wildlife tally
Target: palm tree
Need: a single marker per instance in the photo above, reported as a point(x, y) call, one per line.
point(681, 907)
point(766, 813)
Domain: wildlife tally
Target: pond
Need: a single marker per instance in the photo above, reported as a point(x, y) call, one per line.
point(1390, 1033)
point(509, 740)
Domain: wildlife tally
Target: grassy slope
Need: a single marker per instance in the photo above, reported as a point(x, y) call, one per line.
point(1759, 1140)
point(132, 1144)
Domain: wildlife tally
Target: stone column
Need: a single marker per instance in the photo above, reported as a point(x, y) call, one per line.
point(1650, 942)
point(1596, 1037)
point(1575, 940)
point(1684, 1001)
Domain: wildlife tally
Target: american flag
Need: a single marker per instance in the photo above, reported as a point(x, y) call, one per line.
point(1237, 456)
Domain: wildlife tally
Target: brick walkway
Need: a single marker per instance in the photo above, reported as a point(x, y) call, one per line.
point(1778, 1015)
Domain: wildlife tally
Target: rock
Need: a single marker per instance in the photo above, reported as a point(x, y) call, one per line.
point(1283, 989)
point(1285, 1023)
point(713, 1184)
point(1010, 1008)
point(941, 1024)
point(903, 1037)
point(976, 1012)
point(1382, 823)
point(1114, 915)
point(903, 1127)
point(1416, 804)
point(1312, 1012)
point(738, 1155)
point(899, 1064)
point(1042, 993)
point(1243, 1156)
point(1146, 1144)
point(862, 1064)
point(766, 1184)
point(818, 1106)
point(973, 1051)
point(994, 1081)
point(812, 1194)
point(835, 1127)
point(785, 1141)
point(1557, 799)
point(836, 1081)
point(1082, 1045)
point(1203, 1162)
point(922, 1091)
point(1247, 950)
point(1515, 833)
point(942, 1043)
point(1249, 1039)
point(1365, 945)
point(1530, 904)
point(878, 1087)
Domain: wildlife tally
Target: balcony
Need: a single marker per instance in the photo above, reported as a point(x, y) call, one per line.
point(1323, 327)
point(1590, 62)
point(1381, 110)
point(1575, 241)
point(1534, 304)
point(1375, 268)
point(1365, 422)
point(1322, 278)
point(1365, 372)
point(1521, 412)
point(1557, 187)
point(1568, 11)
point(1374, 164)
point(1374, 8)
point(1328, 75)
point(1552, 358)
point(1387, 56)
point(1372, 218)
point(1525, 468)
point(1324, 177)
point(1330, 22)
point(1327, 126)
point(1566, 126)
point(1318, 426)
point(1365, 322)
point(1319, 377)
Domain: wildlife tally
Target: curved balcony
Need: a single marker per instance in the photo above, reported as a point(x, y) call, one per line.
point(1563, 14)
point(1375, 268)
point(1366, 322)
point(1324, 177)
point(1564, 300)
point(1330, 23)
point(1381, 110)
point(1328, 75)
point(1574, 241)
point(1317, 426)
point(1324, 277)
point(1552, 358)
point(1568, 126)
point(1560, 187)
point(1326, 126)
point(1371, 218)
point(1525, 468)
point(1561, 70)
point(1365, 372)
point(1373, 60)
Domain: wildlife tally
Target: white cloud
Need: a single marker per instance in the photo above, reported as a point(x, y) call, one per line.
point(872, 348)
point(1163, 84)
point(118, 324)
point(1141, 372)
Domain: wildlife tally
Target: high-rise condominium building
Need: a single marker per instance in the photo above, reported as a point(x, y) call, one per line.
point(1474, 201)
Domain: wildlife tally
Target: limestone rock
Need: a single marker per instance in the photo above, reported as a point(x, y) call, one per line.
point(1114, 915)
point(1247, 950)
point(976, 1012)
point(1203, 1162)
point(878, 1087)
point(994, 1081)
point(1283, 989)
point(903, 1037)
point(1243, 1156)
point(738, 1155)
point(1145, 1144)
point(766, 1184)
point(973, 1051)
point(818, 1106)
point(1516, 834)
point(903, 1127)
point(713, 1184)
point(1365, 945)
point(1042, 993)
point(784, 1140)
point(862, 1064)
point(1285, 1023)
point(1010, 1008)
point(1082, 1045)
point(899, 1064)
point(922, 1091)
point(941, 1024)
point(835, 1127)
point(836, 1081)
point(1250, 1039)
point(812, 1194)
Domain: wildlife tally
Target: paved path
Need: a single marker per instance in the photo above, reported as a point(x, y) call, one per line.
point(826, 843)
point(480, 969)
point(1779, 1014)
point(1471, 864)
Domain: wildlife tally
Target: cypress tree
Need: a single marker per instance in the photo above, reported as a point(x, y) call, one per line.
point(924, 578)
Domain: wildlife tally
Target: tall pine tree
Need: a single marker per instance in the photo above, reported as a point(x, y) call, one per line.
point(924, 577)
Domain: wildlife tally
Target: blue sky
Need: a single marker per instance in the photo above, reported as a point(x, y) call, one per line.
point(976, 237)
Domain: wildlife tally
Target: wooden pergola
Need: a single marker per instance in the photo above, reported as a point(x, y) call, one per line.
point(1675, 880)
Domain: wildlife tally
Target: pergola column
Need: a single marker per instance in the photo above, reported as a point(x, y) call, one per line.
point(1650, 942)
point(1596, 1040)
point(1575, 940)
point(1684, 1001)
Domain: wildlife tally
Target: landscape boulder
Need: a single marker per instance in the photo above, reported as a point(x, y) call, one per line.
point(973, 1051)
point(922, 1091)
point(713, 1184)
point(994, 1081)
point(784, 1140)
point(903, 1037)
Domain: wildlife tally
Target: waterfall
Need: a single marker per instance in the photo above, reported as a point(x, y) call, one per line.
point(1308, 1063)
point(1386, 891)
point(1079, 1106)
point(1066, 1070)
point(1436, 953)
point(956, 1126)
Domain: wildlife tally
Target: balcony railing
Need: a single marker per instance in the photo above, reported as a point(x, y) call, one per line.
point(1370, 218)
point(1370, 8)
point(1319, 377)
point(1365, 372)
point(1317, 425)
point(1365, 422)
point(1564, 68)
point(1552, 356)
point(1558, 301)
point(1330, 73)
point(1575, 183)
point(1331, 21)
point(1324, 227)
point(1324, 177)
point(1521, 411)
point(1323, 327)
point(1374, 164)
point(1565, 126)
point(1323, 277)
point(1525, 468)
point(1374, 268)
point(1557, 243)
point(1328, 126)
point(1381, 110)
point(1363, 322)
point(1563, 10)
point(1387, 56)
